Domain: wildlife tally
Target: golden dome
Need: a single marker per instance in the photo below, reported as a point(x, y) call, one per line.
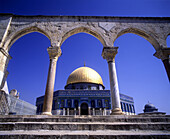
point(84, 75)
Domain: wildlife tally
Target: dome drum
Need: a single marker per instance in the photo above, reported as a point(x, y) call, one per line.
point(85, 86)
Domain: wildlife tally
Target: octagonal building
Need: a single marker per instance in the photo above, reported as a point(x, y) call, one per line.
point(85, 94)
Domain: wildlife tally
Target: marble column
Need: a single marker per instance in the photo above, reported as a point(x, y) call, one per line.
point(104, 111)
point(64, 112)
point(79, 110)
point(74, 111)
point(93, 111)
point(54, 53)
point(68, 111)
point(164, 55)
point(109, 54)
point(89, 111)
point(100, 111)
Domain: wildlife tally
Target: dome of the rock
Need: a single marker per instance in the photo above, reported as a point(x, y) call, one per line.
point(84, 75)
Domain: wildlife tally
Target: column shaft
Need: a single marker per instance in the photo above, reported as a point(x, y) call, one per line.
point(64, 112)
point(54, 53)
point(89, 111)
point(79, 110)
point(48, 99)
point(109, 54)
point(114, 89)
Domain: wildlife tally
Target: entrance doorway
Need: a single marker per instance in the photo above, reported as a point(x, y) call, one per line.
point(84, 109)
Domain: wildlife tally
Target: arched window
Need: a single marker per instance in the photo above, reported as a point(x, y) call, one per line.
point(76, 104)
point(62, 103)
point(99, 103)
point(93, 103)
point(69, 103)
point(73, 87)
point(106, 103)
point(81, 87)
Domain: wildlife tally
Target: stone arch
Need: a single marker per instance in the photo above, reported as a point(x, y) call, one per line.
point(16, 35)
point(141, 33)
point(28, 52)
point(83, 30)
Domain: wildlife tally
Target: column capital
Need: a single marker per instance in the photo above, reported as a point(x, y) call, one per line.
point(109, 53)
point(54, 52)
point(162, 53)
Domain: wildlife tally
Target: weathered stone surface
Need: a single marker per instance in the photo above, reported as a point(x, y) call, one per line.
point(106, 29)
point(59, 28)
point(113, 118)
point(83, 126)
point(42, 126)
point(43, 134)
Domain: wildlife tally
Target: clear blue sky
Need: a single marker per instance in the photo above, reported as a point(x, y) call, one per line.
point(140, 74)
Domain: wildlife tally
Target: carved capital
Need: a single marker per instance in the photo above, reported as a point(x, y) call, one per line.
point(109, 53)
point(162, 54)
point(54, 52)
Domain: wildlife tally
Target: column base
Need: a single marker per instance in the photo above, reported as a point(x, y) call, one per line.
point(46, 113)
point(117, 111)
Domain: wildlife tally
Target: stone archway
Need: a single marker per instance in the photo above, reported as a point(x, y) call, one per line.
point(83, 30)
point(142, 33)
point(105, 29)
point(162, 52)
point(20, 33)
point(84, 109)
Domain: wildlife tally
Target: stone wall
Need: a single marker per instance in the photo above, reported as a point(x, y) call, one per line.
point(11, 105)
